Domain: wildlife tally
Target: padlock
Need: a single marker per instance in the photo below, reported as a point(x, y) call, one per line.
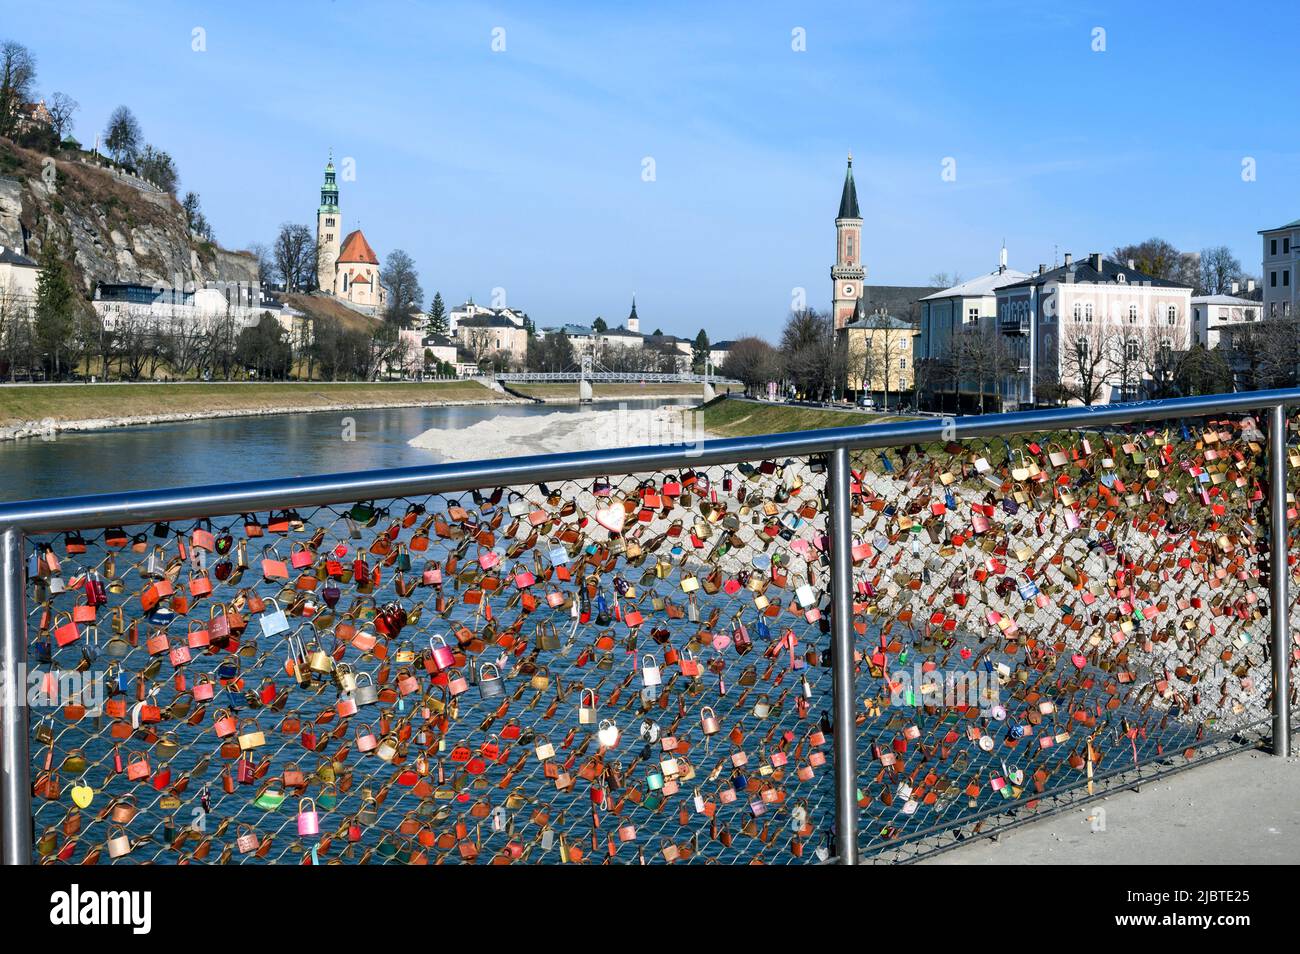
point(587, 714)
point(119, 843)
point(650, 675)
point(250, 738)
point(608, 734)
point(308, 820)
point(544, 749)
point(274, 621)
point(366, 693)
point(709, 721)
point(364, 737)
point(443, 656)
point(456, 682)
point(491, 685)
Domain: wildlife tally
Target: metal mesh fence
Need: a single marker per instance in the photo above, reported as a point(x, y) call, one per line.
point(619, 670)
point(1040, 616)
point(637, 668)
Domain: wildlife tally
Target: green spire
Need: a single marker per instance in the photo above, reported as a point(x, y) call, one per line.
point(329, 192)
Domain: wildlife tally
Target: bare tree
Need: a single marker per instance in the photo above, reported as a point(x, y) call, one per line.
point(753, 362)
point(295, 255)
point(1084, 360)
point(122, 136)
point(987, 357)
point(62, 108)
point(814, 359)
point(17, 77)
point(1126, 360)
point(1219, 269)
point(1162, 350)
point(403, 283)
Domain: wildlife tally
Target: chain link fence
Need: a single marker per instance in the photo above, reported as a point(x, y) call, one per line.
point(638, 668)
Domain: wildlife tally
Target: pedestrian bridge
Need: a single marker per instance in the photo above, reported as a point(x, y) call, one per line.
point(602, 377)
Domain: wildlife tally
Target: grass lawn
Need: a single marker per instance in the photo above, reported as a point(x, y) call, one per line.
point(77, 402)
point(568, 390)
point(725, 418)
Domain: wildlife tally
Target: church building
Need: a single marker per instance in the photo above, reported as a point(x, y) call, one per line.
point(348, 267)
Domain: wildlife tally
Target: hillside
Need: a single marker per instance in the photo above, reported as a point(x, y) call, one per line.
point(322, 306)
point(117, 233)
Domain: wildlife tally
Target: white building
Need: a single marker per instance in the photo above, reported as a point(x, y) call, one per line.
point(1282, 270)
point(1211, 312)
point(948, 313)
point(18, 275)
point(1092, 307)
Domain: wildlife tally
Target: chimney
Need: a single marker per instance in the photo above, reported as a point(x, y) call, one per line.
point(1094, 260)
point(1069, 260)
point(1042, 268)
point(1236, 287)
point(1250, 285)
point(1002, 258)
point(1132, 264)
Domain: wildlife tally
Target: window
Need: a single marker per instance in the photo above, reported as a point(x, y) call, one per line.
point(1078, 311)
point(1131, 349)
point(1132, 314)
point(972, 315)
point(1087, 313)
point(1286, 246)
point(1084, 347)
point(850, 252)
point(902, 363)
point(1272, 279)
point(1286, 277)
point(1171, 314)
point(1272, 247)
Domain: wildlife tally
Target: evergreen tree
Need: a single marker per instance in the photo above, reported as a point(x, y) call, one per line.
point(599, 325)
point(56, 310)
point(438, 316)
point(700, 352)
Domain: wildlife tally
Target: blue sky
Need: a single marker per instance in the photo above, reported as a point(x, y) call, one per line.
point(522, 169)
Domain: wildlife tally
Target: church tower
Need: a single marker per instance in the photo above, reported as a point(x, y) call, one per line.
point(847, 273)
point(329, 229)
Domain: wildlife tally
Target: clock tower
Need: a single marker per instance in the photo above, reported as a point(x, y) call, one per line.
point(847, 274)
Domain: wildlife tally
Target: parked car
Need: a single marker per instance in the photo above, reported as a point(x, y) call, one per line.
point(865, 402)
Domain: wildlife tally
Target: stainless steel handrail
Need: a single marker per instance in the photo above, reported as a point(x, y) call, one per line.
point(101, 510)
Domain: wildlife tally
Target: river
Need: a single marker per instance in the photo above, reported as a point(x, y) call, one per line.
point(232, 449)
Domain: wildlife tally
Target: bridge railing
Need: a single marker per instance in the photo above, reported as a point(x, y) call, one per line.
point(840, 645)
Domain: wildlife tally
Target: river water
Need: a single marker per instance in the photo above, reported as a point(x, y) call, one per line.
point(233, 449)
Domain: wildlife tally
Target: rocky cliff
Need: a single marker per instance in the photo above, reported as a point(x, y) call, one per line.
point(117, 233)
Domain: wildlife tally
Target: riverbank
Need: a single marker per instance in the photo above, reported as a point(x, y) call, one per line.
point(738, 418)
point(567, 392)
point(564, 432)
point(41, 410)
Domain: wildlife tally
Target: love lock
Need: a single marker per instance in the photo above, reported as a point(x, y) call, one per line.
point(274, 622)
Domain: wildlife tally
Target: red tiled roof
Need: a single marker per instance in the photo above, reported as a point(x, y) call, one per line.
point(357, 249)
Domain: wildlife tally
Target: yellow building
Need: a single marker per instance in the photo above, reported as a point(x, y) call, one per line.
point(879, 354)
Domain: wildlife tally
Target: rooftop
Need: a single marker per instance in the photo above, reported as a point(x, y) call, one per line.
point(982, 285)
point(1086, 270)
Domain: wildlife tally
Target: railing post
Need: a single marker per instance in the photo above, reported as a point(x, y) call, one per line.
point(15, 784)
point(842, 641)
point(1280, 572)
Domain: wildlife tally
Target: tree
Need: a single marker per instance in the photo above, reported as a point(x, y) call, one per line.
point(1085, 350)
point(1160, 349)
point(1160, 259)
point(550, 353)
point(700, 352)
point(1202, 371)
point(599, 325)
point(754, 363)
point(157, 166)
point(265, 262)
point(438, 324)
point(56, 309)
point(294, 254)
point(403, 283)
point(195, 220)
point(813, 360)
point(17, 77)
point(264, 348)
point(985, 356)
point(62, 108)
point(122, 136)
point(945, 279)
point(1219, 269)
